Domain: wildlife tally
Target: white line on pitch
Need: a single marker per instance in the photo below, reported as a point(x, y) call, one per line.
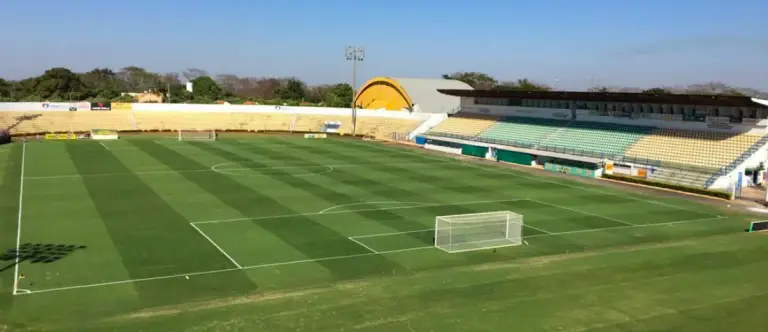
point(392, 233)
point(512, 172)
point(217, 246)
point(536, 228)
point(181, 275)
point(369, 203)
point(583, 212)
point(354, 210)
point(209, 170)
point(104, 145)
point(18, 223)
point(363, 244)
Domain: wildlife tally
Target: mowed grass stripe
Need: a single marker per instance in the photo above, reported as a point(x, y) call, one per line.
point(606, 202)
point(151, 237)
point(352, 179)
point(9, 205)
point(312, 239)
point(454, 186)
point(390, 218)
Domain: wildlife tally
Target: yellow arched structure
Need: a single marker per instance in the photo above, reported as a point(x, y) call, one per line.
point(383, 92)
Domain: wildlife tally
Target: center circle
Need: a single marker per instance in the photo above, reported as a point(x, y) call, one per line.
point(257, 168)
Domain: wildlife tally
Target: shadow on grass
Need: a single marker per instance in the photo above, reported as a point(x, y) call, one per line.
point(37, 253)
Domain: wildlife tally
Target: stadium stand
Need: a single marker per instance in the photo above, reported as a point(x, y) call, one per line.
point(603, 138)
point(48, 122)
point(682, 177)
point(525, 130)
point(704, 149)
point(465, 125)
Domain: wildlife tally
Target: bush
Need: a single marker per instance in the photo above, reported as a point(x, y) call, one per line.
point(694, 190)
point(5, 136)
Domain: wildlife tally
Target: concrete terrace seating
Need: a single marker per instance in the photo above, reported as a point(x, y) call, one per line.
point(44, 122)
point(706, 149)
point(681, 177)
point(603, 138)
point(464, 125)
point(524, 130)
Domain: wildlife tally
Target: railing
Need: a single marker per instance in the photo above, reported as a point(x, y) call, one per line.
point(651, 163)
point(744, 155)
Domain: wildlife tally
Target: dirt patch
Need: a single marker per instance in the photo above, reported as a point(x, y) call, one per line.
point(213, 304)
point(543, 260)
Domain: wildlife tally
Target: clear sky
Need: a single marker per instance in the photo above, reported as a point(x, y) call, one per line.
point(608, 42)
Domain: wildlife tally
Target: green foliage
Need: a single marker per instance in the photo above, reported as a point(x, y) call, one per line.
point(293, 89)
point(474, 79)
point(205, 88)
point(522, 84)
point(658, 91)
point(339, 95)
point(694, 190)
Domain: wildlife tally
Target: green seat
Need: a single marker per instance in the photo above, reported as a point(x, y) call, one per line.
point(523, 130)
point(604, 138)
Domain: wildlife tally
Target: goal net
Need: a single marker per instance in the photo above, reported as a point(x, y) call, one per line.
point(477, 231)
point(197, 135)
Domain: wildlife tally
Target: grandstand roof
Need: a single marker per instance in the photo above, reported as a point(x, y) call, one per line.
point(397, 93)
point(621, 97)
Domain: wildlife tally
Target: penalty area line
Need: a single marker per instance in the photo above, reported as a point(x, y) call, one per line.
point(217, 246)
point(182, 275)
point(200, 273)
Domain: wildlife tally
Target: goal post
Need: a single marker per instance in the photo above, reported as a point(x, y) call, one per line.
point(477, 231)
point(197, 135)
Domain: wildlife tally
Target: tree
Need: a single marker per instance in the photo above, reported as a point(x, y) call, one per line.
point(339, 95)
point(206, 87)
point(293, 89)
point(58, 83)
point(522, 84)
point(474, 79)
point(599, 89)
point(658, 91)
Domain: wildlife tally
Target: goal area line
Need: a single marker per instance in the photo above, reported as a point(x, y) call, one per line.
point(248, 267)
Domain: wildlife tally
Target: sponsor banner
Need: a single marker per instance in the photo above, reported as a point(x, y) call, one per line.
point(315, 135)
point(106, 106)
point(609, 167)
point(83, 106)
point(58, 137)
point(59, 107)
point(121, 106)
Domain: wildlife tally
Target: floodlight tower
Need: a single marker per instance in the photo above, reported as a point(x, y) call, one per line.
point(355, 54)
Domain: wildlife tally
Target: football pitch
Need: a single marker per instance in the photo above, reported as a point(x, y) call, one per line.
point(282, 233)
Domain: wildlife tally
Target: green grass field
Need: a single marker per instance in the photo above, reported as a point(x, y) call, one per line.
point(282, 233)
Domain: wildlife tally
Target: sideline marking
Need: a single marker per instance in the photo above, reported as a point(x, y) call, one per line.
point(104, 145)
point(18, 223)
point(512, 172)
point(217, 246)
point(583, 212)
point(217, 169)
point(182, 275)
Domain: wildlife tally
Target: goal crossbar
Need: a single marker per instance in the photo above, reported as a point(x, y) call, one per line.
point(476, 231)
point(196, 135)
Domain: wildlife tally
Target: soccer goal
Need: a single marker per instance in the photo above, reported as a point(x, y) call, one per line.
point(197, 135)
point(477, 231)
